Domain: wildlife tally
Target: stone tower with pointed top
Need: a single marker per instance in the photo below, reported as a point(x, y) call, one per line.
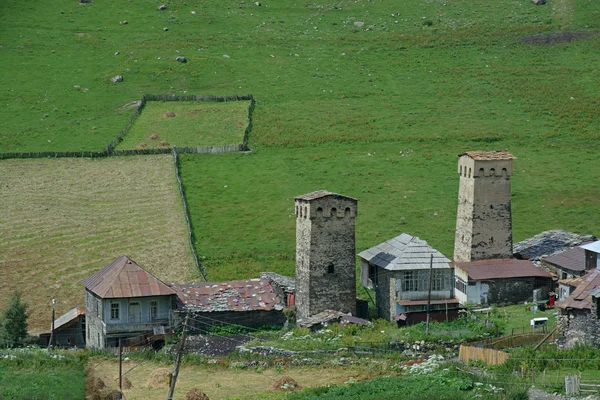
point(484, 220)
point(325, 253)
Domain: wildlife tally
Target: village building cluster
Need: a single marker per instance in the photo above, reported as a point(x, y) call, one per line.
point(410, 279)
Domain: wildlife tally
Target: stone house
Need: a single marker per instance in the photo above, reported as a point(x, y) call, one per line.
point(399, 272)
point(579, 316)
point(251, 302)
point(122, 300)
point(485, 269)
point(499, 281)
point(568, 264)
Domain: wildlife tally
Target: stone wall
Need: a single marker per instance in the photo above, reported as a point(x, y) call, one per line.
point(325, 254)
point(94, 328)
point(484, 220)
point(515, 290)
point(579, 327)
point(203, 320)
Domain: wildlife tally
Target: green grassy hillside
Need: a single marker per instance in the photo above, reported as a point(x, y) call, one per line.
point(334, 82)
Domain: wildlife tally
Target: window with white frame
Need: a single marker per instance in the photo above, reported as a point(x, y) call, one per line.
point(115, 311)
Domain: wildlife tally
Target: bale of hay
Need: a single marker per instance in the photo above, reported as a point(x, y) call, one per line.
point(170, 114)
point(196, 394)
point(286, 383)
point(154, 136)
point(113, 395)
point(141, 145)
point(98, 383)
point(159, 378)
point(164, 144)
point(126, 383)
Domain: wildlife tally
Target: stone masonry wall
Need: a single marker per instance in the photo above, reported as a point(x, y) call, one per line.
point(94, 329)
point(325, 255)
point(579, 328)
point(484, 220)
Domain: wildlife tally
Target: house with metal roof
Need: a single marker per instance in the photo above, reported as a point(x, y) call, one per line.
point(579, 318)
point(68, 330)
point(250, 302)
point(126, 302)
point(123, 300)
point(499, 281)
point(401, 271)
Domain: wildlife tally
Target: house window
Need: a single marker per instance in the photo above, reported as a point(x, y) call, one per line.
point(153, 310)
point(461, 285)
point(564, 275)
point(330, 269)
point(411, 281)
point(99, 308)
point(114, 311)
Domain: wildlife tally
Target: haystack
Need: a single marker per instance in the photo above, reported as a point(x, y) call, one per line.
point(196, 394)
point(286, 383)
point(159, 378)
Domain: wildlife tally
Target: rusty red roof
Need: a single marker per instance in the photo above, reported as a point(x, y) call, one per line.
point(124, 278)
point(488, 155)
point(580, 298)
point(573, 259)
point(501, 268)
point(242, 295)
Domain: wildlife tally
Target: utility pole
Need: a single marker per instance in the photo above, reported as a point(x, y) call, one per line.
point(52, 340)
point(121, 366)
point(429, 294)
point(180, 347)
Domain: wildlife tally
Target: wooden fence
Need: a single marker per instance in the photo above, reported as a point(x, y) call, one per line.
point(488, 356)
point(510, 341)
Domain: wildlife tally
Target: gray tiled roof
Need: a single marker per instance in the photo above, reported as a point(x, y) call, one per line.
point(404, 252)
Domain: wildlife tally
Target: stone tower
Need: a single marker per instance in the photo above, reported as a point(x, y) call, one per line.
point(483, 220)
point(325, 253)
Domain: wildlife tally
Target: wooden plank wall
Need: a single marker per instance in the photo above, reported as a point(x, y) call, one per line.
point(488, 356)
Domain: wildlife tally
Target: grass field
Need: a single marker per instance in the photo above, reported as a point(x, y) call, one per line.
point(242, 204)
point(191, 124)
point(39, 375)
point(63, 219)
point(342, 88)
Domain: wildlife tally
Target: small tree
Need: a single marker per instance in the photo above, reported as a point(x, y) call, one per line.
point(13, 321)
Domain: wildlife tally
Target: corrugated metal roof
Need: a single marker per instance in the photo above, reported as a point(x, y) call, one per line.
point(594, 246)
point(321, 193)
point(580, 298)
point(242, 295)
point(124, 278)
point(67, 317)
point(404, 252)
point(488, 155)
point(573, 259)
point(501, 268)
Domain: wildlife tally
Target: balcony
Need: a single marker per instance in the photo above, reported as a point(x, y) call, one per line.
point(135, 327)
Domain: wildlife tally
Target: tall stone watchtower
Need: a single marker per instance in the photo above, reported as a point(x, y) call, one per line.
point(484, 220)
point(325, 253)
